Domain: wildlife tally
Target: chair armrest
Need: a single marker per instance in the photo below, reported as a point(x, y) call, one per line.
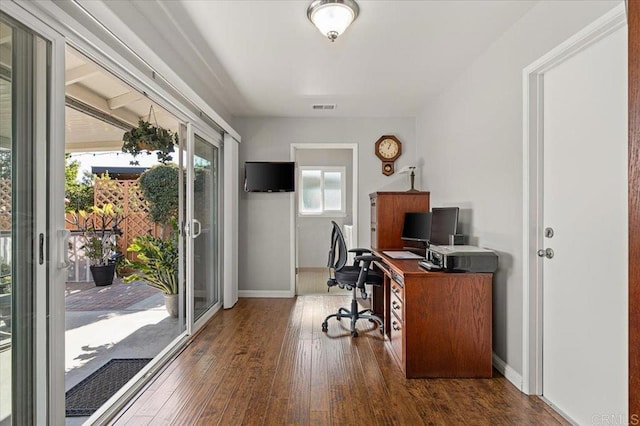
point(368, 258)
point(359, 251)
point(365, 267)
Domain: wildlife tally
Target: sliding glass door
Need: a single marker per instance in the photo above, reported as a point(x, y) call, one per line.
point(34, 244)
point(203, 250)
point(24, 222)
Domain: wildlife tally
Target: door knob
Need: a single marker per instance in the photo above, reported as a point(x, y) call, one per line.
point(548, 253)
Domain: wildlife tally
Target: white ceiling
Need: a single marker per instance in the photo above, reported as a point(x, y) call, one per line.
point(394, 57)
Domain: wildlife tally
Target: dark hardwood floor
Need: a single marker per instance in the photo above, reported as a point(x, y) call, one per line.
point(266, 361)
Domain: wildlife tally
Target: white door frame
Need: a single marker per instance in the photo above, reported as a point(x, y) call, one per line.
point(213, 139)
point(532, 152)
point(354, 200)
point(49, 348)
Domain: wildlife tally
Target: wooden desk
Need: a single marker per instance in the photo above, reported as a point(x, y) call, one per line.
point(438, 324)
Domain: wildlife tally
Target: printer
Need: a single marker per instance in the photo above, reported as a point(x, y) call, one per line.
point(460, 259)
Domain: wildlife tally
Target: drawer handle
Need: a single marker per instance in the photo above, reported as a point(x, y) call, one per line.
point(395, 290)
point(396, 306)
point(395, 326)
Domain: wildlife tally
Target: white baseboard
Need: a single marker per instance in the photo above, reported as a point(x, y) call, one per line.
point(509, 373)
point(266, 293)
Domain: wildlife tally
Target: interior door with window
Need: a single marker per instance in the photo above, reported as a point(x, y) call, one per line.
point(203, 227)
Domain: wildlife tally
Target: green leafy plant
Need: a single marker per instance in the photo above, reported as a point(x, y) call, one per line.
point(79, 195)
point(98, 229)
point(157, 261)
point(149, 138)
point(5, 278)
point(157, 258)
point(159, 186)
point(5, 164)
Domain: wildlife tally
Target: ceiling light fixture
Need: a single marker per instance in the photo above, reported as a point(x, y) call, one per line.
point(332, 17)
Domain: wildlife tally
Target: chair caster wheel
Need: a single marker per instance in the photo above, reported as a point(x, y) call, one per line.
point(354, 334)
point(325, 327)
point(338, 318)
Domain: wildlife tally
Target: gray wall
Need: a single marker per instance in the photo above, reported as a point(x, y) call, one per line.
point(265, 219)
point(312, 243)
point(470, 139)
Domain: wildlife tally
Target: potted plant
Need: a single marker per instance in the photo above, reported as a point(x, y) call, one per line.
point(99, 230)
point(157, 263)
point(157, 257)
point(149, 137)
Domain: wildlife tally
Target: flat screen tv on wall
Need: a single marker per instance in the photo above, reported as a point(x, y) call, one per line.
point(262, 176)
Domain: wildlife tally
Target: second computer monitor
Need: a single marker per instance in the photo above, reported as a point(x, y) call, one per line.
point(444, 222)
point(417, 227)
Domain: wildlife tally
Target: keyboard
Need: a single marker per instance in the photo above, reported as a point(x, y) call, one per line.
point(429, 265)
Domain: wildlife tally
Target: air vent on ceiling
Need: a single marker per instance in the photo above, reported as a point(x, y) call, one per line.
point(323, 106)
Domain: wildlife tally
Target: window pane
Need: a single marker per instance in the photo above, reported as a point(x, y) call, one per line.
point(311, 196)
point(6, 221)
point(205, 195)
point(333, 191)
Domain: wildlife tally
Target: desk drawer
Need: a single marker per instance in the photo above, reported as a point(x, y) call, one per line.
point(397, 290)
point(397, 307)
point(395, 335)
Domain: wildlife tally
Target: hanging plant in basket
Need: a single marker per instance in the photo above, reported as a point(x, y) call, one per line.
point(148, 137)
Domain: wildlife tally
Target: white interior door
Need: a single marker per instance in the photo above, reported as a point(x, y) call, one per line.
point(585, 203)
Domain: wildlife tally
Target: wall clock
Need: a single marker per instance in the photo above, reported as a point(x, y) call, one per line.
point(388, 149)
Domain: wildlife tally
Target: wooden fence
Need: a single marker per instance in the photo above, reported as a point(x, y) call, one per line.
point(126, 195)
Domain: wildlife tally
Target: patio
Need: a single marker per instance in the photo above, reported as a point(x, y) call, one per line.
point(116, 321)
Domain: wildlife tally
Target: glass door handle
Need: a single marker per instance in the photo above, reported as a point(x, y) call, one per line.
point(63, 253)
point(197, 233)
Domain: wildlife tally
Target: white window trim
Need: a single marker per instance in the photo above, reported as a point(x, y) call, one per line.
point(343, 191)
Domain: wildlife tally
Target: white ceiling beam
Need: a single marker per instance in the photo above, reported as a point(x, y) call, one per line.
point(124, 99)
point(80, 73)
point(86, 96)
point(93, 146)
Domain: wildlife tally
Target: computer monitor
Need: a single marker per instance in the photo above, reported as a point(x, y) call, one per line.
point(444, 222)
point(417, 227)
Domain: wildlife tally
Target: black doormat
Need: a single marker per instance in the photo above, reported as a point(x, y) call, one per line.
point(87, 396)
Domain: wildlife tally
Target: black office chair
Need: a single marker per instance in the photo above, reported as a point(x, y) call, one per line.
point(352, 277)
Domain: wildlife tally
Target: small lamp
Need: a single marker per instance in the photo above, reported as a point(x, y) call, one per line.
point(412, 171)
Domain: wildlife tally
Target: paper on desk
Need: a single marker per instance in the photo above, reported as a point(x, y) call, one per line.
point(402, 255)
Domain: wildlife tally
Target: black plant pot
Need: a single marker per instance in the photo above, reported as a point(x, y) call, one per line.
point(103, 274)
